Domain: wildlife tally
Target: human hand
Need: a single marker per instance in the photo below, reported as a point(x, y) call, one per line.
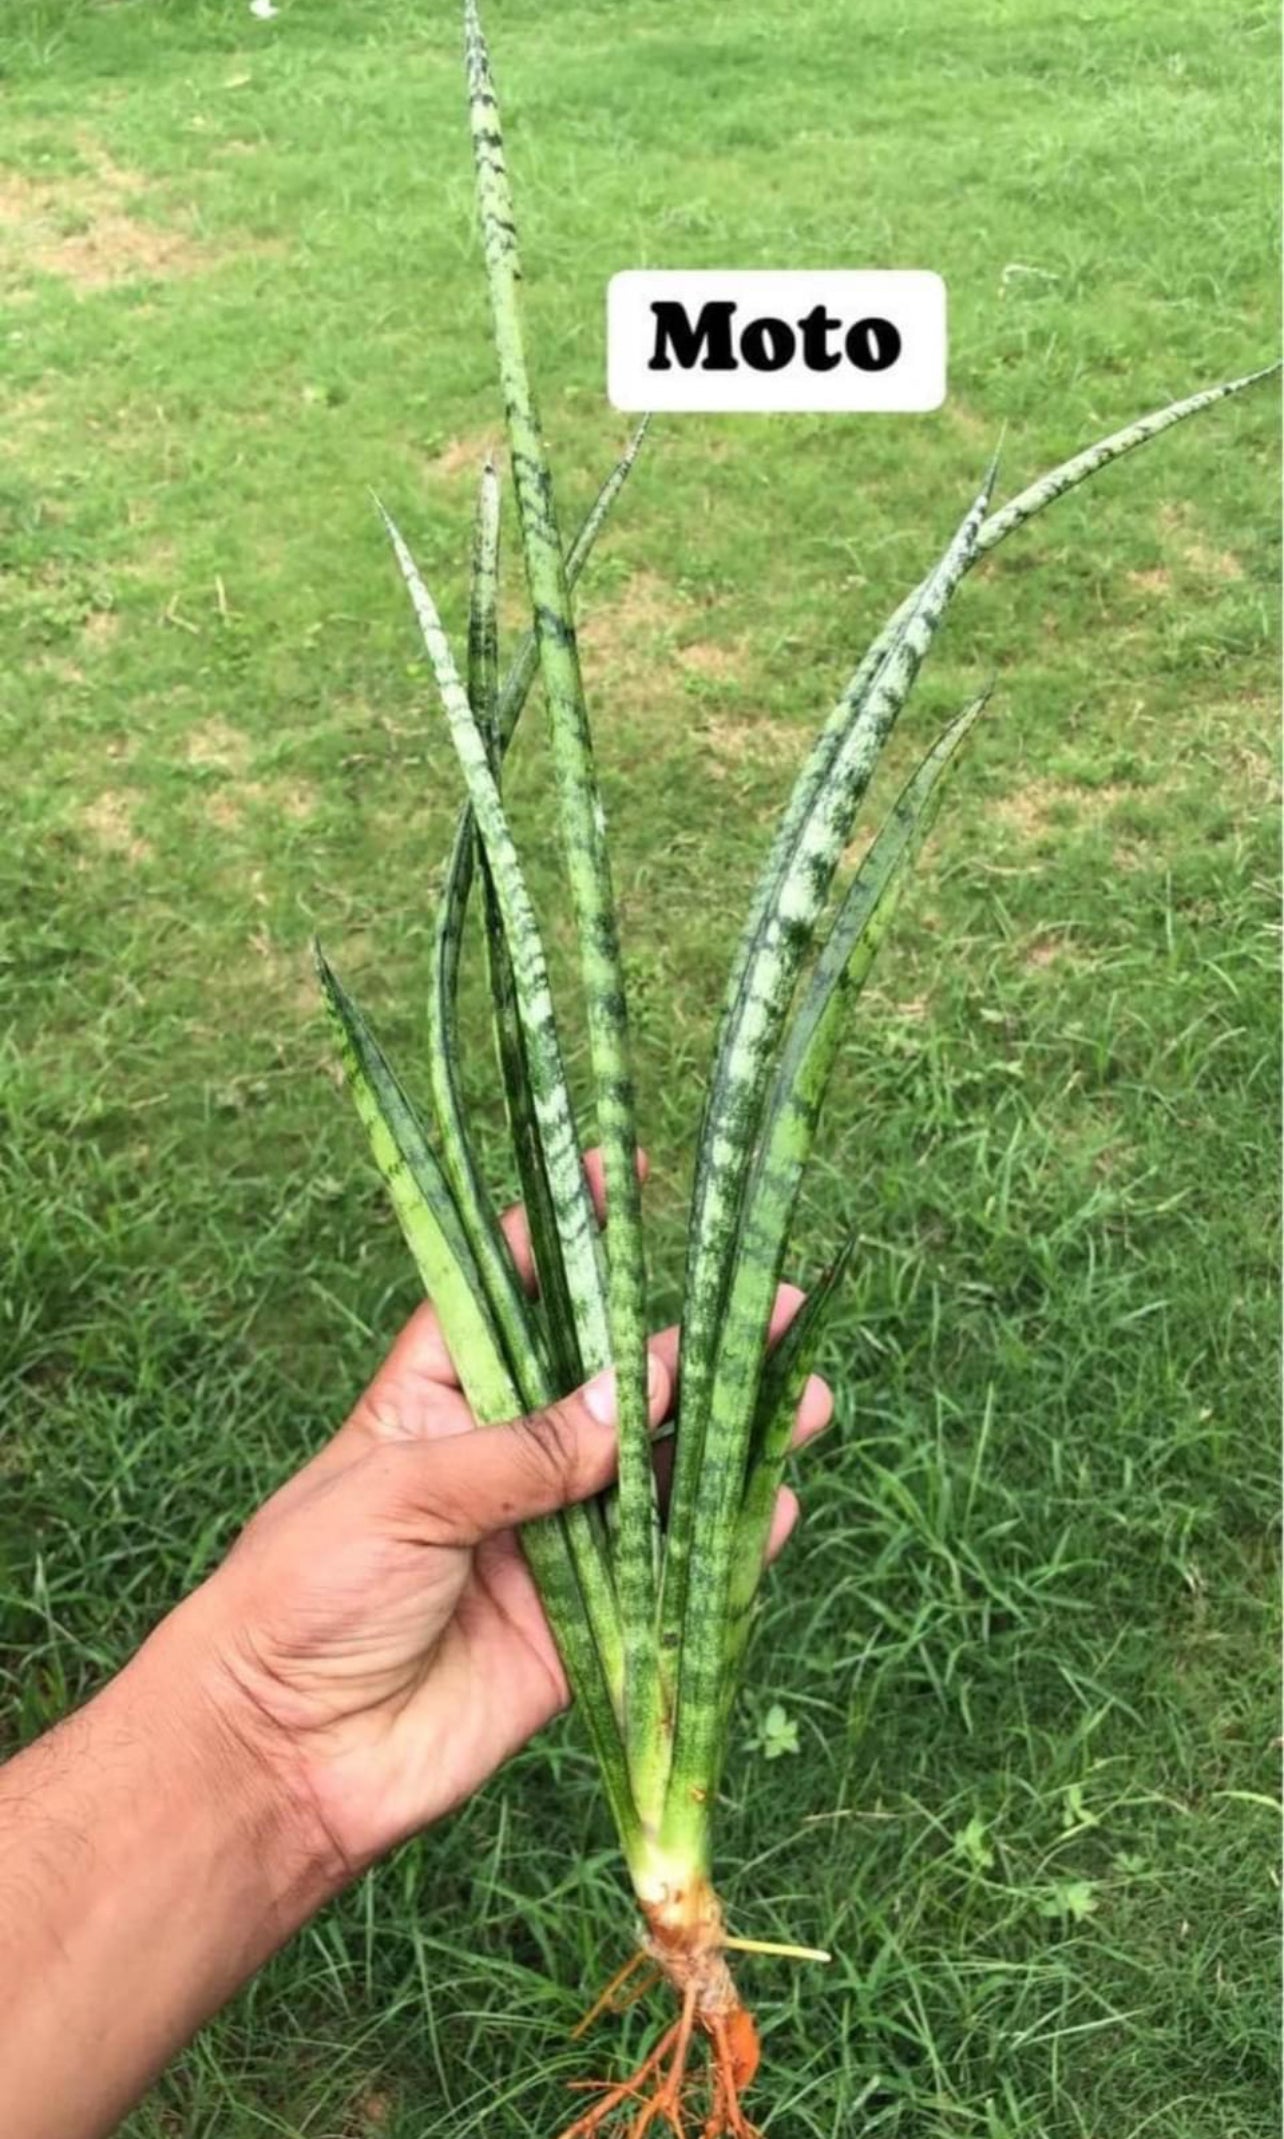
point(375, 1633)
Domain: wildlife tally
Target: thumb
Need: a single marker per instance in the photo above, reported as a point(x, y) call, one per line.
point(474, 1483)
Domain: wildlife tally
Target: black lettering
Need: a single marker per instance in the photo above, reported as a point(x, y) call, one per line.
point(712, 331)
point(768, 344)
point(873, 344)
point(817, 355)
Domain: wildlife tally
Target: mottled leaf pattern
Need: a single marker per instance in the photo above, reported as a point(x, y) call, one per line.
point(563, 1554)
point(801, 871)
point(583, 825)
point(781, 1153)
point(652, 1624)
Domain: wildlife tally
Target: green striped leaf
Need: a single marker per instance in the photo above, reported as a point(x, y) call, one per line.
point(483, 599)
point(444, 1048)
point(1027, 504)
point(557, 1316)
point(564, 1553)
point(589, 879)
point(789, 1126)
point(860, 927)
point(713, 1210)
point(475, 1209)
point(797, 883)
point(576, 1224)
point(786, 1370)
point(425, 1208)
point(1045, 491)
point(784, 1377)
point(526, 660)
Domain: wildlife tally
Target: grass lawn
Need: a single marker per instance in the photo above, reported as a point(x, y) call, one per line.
point(1027, 1629)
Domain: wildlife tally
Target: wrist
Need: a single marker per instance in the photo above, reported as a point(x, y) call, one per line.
point(231, 1763)
point(152, 1858)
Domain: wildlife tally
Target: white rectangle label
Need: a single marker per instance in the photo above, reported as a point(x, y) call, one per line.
point(760, 338)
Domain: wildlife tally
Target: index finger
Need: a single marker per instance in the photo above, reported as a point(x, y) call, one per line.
point(516, 1230)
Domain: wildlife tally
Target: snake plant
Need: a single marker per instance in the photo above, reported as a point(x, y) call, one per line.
point(650, 1604)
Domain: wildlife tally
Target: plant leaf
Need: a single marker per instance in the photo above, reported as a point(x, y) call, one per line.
point(575, 1220)
point(490, 1251)
point(784, 1377)
point(589, 879)
point(788, 1129)
point(443, 1020)
point(555, 1310)
point(1045, 491)
point(565, 1556)
point(792, 892)
point(425, 1207)
point(559, 1141)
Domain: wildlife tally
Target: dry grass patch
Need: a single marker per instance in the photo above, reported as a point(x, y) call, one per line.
point(750, 740)
point(1176, 518)
point(1155, 579)
point(80, 227)
point(1187, 548)
point(109, 819)
point(638, 616)
point(977, 429)
point(68, 673)
point(215, 743)
point(228, 807)
point(1035, 808)
point(100, 628)
point(214, 746)
point(1126, 857)
point(1044, 951)
point(29, 415)
point(626, 643)
point(719, 660)
point(464, 456)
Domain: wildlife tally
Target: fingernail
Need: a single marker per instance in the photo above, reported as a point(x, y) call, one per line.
point(818, 1392)
point(655, 1379)
point(599, 1397)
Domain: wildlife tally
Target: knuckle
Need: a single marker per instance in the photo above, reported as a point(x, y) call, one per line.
point(547, 1443)
point(409, 1485)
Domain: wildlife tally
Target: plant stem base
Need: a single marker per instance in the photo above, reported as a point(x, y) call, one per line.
point(684, 1942)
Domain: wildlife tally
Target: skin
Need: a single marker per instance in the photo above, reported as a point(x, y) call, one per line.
point(369, 1652)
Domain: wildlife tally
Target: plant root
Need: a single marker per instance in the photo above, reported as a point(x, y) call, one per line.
point(658, 2095)
point(662, 2093)
point(615, 2094)
point(615, 1999)
point(733, 2062)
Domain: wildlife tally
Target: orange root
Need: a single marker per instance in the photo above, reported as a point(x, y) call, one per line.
point(733, 2063)
point(615, 1999)
point(614, 2095)
point(685, 1943)
point(662, 2092)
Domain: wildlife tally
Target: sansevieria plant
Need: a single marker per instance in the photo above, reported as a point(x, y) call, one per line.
point(650, 1604)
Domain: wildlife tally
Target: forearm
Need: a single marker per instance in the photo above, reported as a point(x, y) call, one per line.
point(150, 1861)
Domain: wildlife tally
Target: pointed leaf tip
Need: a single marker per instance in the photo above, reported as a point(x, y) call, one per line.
point(992, 472)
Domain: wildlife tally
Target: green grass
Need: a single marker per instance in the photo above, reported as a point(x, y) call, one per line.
point(1026, 1632)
